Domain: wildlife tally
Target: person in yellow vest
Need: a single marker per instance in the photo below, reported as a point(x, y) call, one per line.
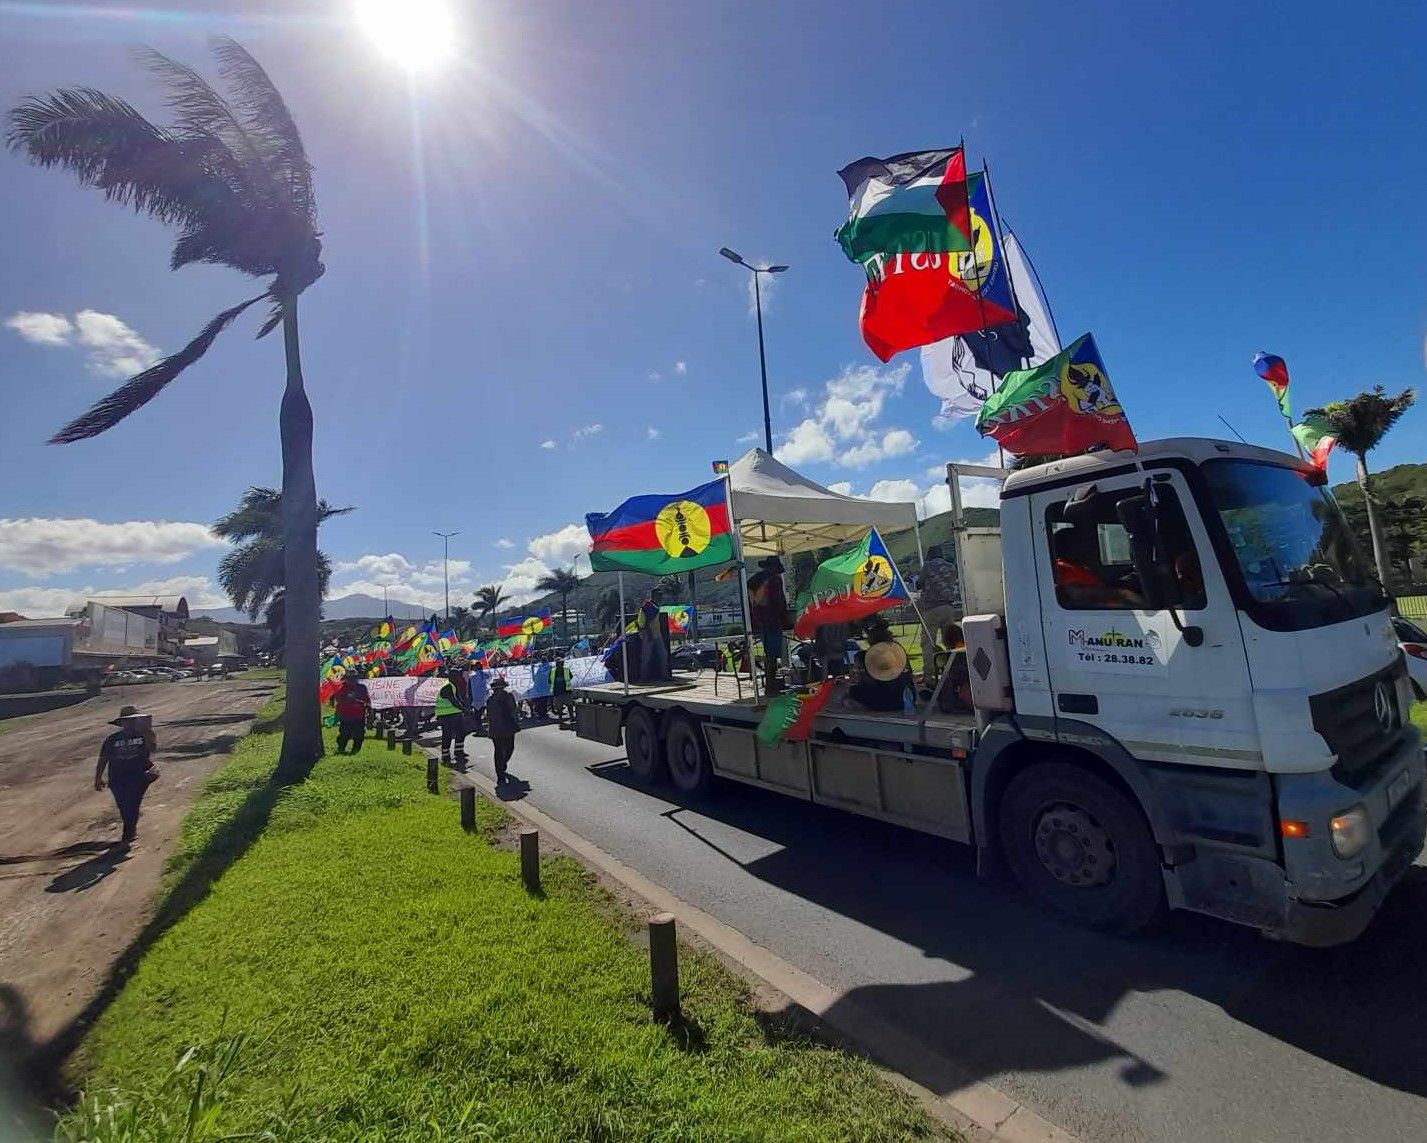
point(452, 708)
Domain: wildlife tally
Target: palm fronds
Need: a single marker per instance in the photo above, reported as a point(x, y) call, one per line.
point(139, 391)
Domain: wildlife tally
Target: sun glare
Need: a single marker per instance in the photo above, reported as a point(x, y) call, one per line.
point(417, 34)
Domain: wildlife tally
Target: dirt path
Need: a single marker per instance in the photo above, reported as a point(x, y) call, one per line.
point(70, 901)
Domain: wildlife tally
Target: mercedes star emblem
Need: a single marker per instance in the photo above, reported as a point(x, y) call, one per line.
point(1383, 708)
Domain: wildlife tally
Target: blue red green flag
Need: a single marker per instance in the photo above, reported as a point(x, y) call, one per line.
point(1274, 371)
point(663, 534)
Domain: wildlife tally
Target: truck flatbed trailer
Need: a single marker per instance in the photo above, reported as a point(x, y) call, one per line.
point(904, 767)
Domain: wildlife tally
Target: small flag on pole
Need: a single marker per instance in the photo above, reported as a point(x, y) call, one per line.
point(720, 467)
point(1316, 436)
point(1274, 370)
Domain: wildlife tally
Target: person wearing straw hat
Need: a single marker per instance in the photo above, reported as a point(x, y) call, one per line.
point(504, 721)
point(126, 755)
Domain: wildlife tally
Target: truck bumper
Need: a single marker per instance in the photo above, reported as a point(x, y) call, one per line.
point(1324, 923)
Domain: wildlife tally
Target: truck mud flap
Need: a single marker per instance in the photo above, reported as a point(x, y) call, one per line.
point(599, 723)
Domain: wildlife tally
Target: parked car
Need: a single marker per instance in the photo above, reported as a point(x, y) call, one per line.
point(1413, 641)
point(693, 656)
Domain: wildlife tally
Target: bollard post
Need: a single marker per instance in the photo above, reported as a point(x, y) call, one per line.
point(468, 808)
point(391, 739)
point(530, 859)
point(433, 774)
point(406, 746)
point(664, 966)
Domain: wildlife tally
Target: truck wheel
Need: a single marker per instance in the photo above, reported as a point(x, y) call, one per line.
point(689, 767)
point(643, 749)
point(1082, 848)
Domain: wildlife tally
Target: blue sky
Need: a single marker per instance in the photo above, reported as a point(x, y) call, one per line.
point(521, 249)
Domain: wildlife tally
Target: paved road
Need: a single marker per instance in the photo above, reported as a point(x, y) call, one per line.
point(70, 901)
point(1197, 1031)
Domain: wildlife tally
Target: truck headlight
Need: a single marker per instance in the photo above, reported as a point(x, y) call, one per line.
point(1350, 832)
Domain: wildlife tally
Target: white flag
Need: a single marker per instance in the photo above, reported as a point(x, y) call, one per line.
point(950, 367)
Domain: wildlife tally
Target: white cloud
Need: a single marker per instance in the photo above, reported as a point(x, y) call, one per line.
point(681, 367)
point(768, 285)
point(656, 376)
point(896, 491)
point(795, 397)
point(520, 580)
point(547, 444)
point(503, 543)
point(896, 442)
point(114, 349)
point(843, 425)
point(653, 433)
point(48, 602)
point(392, 566)
point(842, 488)
point(40, 328)
point(400, 579)
point(749, 438)
point(48, 546)
point(559, 548)
point(588, 431)
point(807, 443)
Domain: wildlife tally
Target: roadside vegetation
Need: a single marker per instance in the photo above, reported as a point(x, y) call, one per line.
point(339, 961)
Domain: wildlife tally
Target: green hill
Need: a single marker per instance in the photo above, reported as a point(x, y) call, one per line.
point(1401, 495)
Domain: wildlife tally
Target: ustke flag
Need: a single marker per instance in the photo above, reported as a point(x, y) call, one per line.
point(851, 586)
point(789, 717)
point(923, 284)
point(1063, 407)
point(663, 534)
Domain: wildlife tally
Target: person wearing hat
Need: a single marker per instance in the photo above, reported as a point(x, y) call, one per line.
point(351, 704)
point(126, 755)
point(769, 614)
point(452, 707)
point(504, 722)
point(885, 676)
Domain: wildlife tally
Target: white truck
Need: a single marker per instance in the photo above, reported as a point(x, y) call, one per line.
point(1185, 691)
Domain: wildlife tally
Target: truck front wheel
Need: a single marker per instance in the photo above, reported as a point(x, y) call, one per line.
point(642, 747)
point(689, 767)
point(1081, 847)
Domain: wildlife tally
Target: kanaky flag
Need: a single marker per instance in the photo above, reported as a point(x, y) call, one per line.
point(851, 586)
point(1063, 407)
point(1317, 436)
point(663, 534)
point(1274, 370)
point(920, 296)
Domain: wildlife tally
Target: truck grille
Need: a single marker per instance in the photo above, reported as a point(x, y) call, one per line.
point(1348, 719)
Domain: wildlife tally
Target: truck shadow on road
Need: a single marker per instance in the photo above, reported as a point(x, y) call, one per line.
point(1038, 990)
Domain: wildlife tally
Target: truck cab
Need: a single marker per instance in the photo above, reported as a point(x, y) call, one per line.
point(1192, 638)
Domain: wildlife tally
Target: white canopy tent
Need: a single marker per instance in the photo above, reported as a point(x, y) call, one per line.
point(779, 512)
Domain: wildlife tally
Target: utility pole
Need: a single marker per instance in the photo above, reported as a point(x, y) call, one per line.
point(446, 572)
point(757, 271)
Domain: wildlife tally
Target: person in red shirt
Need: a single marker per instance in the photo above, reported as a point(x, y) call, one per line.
point(768, 612)
point(351, 703)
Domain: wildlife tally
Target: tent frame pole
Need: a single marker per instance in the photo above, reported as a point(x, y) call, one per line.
point(743, 584)
point(623, 636)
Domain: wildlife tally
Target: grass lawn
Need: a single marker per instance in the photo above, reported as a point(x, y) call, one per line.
point(1419, 716)
point(365, 970)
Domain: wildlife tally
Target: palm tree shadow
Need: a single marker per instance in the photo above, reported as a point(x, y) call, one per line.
point(42, 1070)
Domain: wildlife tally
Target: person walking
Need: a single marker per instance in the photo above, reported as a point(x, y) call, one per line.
point(127, 756)
point(504, 721)
point(452, 708)
point(770, 616)
point(560, 688)
point(478, 693)
point(936, 604)
point(351, 704)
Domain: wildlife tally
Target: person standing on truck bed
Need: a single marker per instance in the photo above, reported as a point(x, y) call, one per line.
point(504, 721)
point(936, 604)
point(126, 755)
point(769, 614)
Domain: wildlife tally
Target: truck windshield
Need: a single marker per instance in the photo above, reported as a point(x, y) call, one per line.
point(1295, 557)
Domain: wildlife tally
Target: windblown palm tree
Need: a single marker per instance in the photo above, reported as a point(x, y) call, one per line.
point(488, 599)
point(563, 582)
point(463, 621)
point(253, 572)
point(668, 587)
point(232, 176)
point(607, 609)
point(1360, 423)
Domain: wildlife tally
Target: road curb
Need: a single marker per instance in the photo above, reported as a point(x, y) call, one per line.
point(989, 1112)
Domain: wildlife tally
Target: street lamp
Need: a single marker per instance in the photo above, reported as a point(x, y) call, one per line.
point(756, 271)
point(446, 571)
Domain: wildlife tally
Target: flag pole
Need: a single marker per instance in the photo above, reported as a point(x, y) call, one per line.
point(742, 581)
point(976, 272)
point(623, 635)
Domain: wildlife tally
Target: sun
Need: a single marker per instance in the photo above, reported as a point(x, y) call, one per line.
point(417, 34)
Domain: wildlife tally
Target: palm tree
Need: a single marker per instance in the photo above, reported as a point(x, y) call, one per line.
point(607, 610)
point(1360, 423)
point(668, 587)
point(252, 573)
point(463, 621)
point(488, 599)
point(563, 582)
point(232, 175)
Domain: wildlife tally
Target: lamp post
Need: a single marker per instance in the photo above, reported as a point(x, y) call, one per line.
point(757, 272)
point(446, 571)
